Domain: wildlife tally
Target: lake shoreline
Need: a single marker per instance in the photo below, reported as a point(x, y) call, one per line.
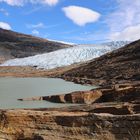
point(14, 88)
point(113, 118)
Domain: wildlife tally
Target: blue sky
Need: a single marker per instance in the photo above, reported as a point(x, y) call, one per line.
point(78, 21)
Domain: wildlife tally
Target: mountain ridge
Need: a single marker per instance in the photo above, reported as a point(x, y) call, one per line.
point(117, 66)
point(18, 45)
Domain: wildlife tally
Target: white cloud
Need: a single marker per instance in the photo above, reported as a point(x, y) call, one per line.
point(22, 2)
point(41, 25)
point(4, 12)
point(35, 32)
point(80, 15)
point(5, 25)
point(50, 2)
point(38, 25)
point(124, 21)
point(126, 14)
point(130, 33)
point(14, 2)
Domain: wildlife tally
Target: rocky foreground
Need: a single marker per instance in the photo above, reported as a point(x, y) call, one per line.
point(64, 124)
point(111, 112)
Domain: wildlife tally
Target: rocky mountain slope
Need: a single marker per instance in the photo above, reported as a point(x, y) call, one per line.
point(17, 45)
point(65, 57)
point(119, 65)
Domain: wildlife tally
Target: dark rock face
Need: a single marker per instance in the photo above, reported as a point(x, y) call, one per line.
point(16, 45)
point(118, 66)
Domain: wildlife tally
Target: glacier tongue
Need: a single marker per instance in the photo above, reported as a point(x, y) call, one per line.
point(60, 58)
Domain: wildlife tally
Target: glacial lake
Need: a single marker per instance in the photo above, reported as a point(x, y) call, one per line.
point(12, 89)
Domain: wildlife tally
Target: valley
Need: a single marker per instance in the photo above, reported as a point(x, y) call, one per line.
point(109, 111)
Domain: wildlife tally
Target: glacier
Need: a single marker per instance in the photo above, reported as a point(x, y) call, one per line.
point(63, 57)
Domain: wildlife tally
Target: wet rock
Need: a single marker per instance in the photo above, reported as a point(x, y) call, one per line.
point(115, 93)
point(31, 99)
point(79, 97)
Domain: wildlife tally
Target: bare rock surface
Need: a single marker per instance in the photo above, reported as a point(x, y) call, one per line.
point(111, 113)
point(60, 124)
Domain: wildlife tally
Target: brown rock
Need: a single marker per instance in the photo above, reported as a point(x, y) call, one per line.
point(120, 65)
point(80, 97)
point(66, 125)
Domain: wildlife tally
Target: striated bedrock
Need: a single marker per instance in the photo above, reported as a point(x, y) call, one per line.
point(114, 67)
point(116, 93)
point(65, 124)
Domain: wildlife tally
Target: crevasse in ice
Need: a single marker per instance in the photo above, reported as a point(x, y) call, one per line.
point(64, 57)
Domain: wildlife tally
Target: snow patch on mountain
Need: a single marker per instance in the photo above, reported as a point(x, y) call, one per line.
point(63, 57)
point(63, 42)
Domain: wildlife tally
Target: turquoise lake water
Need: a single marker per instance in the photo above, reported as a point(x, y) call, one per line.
point(12, 89)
